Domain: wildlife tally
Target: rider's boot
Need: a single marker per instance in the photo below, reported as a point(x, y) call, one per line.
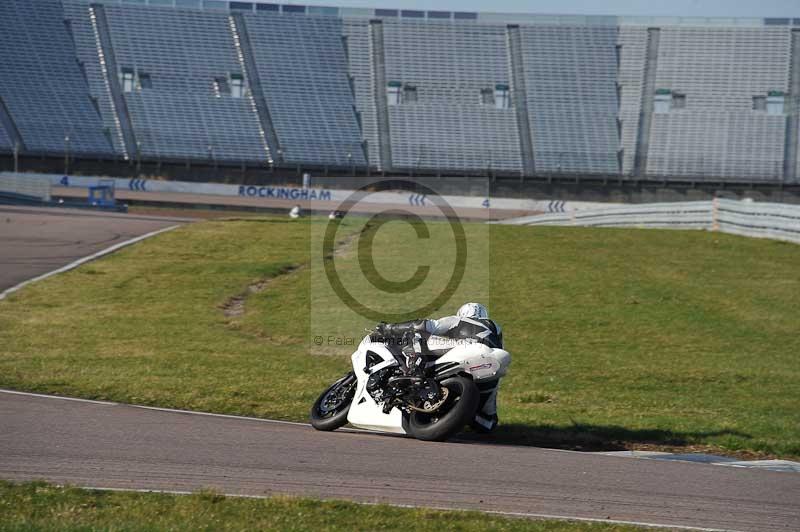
point(486, 419)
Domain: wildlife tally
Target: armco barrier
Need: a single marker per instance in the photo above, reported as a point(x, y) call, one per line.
point(761, 220)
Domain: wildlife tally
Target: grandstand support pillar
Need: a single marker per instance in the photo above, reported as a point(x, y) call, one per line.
point(247, 60)
point(519, 94)
point(108, 63)
point(790, 172)
point(66, 154)
point(646, 110)
point(16, 157)
point(379, 86)
point(7, 123)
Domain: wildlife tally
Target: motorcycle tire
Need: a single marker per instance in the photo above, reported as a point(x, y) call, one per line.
point(330, 413)
point(462, 408)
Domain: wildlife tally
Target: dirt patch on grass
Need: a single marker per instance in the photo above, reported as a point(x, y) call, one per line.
point(234, 306)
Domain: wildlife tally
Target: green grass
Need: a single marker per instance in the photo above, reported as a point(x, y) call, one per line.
point(36, 506)
point(619, 338)
point(645, 336)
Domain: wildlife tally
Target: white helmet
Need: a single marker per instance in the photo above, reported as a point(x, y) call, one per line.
point(473, 310)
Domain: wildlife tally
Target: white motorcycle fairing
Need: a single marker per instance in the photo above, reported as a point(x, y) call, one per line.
point(483, 363)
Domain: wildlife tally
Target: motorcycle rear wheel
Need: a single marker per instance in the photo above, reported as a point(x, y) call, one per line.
point(332, 406)
point(458, 410)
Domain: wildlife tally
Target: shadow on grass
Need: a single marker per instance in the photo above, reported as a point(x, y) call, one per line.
point(593, 438)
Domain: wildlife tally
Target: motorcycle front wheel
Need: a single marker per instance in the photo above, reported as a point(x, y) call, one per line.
point(459, 409)
point(331, 408)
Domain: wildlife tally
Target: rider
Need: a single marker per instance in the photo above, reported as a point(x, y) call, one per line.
point(470, 324)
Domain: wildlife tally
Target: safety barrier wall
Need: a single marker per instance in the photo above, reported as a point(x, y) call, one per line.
point(35, 186)
point(161, 190)
point(762, 220)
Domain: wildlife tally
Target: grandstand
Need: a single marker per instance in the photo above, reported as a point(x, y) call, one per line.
point(256, 84)
point(46, 104)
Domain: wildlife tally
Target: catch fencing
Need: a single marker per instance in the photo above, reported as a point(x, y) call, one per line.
point(761, 220)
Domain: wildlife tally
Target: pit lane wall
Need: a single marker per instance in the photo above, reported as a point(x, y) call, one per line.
point(747, 218)
point(311, 195)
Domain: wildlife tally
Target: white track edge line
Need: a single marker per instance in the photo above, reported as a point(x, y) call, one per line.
point(45, 396)
point(441, 508)
point(344, 429)
point(212, 414)
point(172, 410)
point(233, 416)
point(83, 260)
point(352, 429)
point(145, 407)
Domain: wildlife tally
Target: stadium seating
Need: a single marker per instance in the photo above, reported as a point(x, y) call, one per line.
point(181, 114)
point(737, 145)
point(42, 84)
point(303, 70)
point(5, 141)
point(359, 61)
point(207, 81)
point(570, 76)
point(447, 124)
point(632, 42)
point(76, 14)
point(718, 132)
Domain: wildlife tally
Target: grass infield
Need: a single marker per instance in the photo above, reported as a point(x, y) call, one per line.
point(619, 338)
point(36, 506)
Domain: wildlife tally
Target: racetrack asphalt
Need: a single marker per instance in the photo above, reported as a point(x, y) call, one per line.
point(119, 446)
point(34, 241)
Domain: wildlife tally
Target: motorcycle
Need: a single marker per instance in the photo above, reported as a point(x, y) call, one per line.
point(398, 386)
